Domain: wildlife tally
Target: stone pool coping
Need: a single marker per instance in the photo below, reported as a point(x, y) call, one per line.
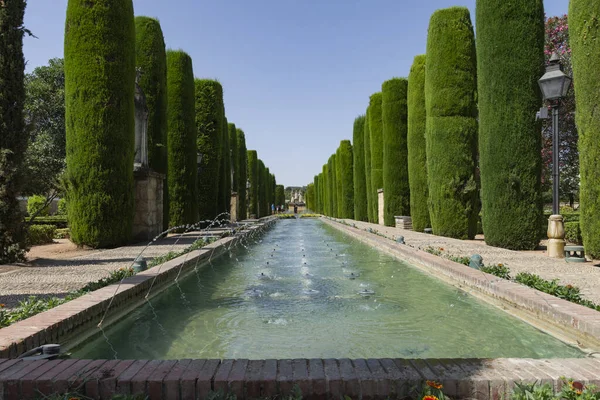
point(71, 321)
point(561, 318)
point(316, 378)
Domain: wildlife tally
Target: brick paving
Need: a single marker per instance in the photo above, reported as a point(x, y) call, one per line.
point(586, 276)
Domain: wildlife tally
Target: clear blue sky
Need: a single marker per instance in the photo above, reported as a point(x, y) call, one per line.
point(295, 72)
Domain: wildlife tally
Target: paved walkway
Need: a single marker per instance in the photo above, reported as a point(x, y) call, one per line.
point(586, 276)
point(59, 274)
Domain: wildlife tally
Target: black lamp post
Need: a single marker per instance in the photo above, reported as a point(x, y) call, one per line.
point(555, 85)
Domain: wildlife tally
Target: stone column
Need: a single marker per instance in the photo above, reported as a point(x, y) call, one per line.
point(148, 219)
point(380, 204)
point(234, 205)
point(556, 237)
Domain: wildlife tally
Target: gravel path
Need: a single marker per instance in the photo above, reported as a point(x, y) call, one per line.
point(586, 275)
point(53, 273)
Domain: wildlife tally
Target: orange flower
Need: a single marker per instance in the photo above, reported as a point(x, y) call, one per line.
point(501, 265)
point(430, 397)
point(2, 305)
point(74, 398)
point(441, 249)
point(434, 384)
point(577, 386)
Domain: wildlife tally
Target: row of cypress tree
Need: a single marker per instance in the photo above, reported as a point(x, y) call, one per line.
point(189, 138)
point(458, 138)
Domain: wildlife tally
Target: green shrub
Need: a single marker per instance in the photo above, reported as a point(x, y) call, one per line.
point(417, 156)
point(235, 162)
point(584, 33)
point(41, 234)
point(62, 234)
point(573, 233)
point(151, 59)
point(360, 181)
point(345, 162)
point(368, 186)
point(209, 117)
point(13, 138)
point(62, 207)
point(100, 123)
point(182, 146)
point(253, 180)
point(510, 160)
point(395, 152)
point(60, 221)
point(36, 203)
point(451, 128)
point(376, 130)
point(243, 173)
point(499, 270)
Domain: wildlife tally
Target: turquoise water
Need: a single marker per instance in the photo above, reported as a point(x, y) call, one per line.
point(296, 293)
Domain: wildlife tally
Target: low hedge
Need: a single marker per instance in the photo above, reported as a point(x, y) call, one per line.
point(59, 221)
point(41, 234)
point(573, 233)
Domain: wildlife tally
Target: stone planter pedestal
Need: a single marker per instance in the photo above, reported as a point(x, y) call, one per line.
point(556, 237)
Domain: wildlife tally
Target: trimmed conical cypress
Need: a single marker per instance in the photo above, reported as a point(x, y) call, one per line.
point(243, 174)
point(183, 168)
point(417, 157)
point(376, 130)
point(235, 166)
point(209, 100)
point(13, 139)
point(224, 171)
point(345, 162)
point(369, 186)
point(510, 159)
point(317, 194)
point(451, 131)
point(253, 181)
point(360, 181)
point(338, 184)
point(262, 189)
point(100, 123)
point(151, 59)
point(395, 152)
point(584, 38)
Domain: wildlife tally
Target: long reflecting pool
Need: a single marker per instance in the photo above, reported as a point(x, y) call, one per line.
point(299, 292)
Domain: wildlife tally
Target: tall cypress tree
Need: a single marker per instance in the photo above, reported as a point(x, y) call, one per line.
point(253, 180)
point(334, 188)
point(417, 156)
point(510, 160)
point(451, 131)
point(13, 140)
point(262, 189)
point(280, 195)
point(243, 173)
point(584, 36)
point(225, 170)
point(369, 186)
point(182, 139)
point(345, 162)
point(209, 101)
point(376, 129)
point(235, 165)
point(339, 192)
point(99, 119)
point(151, 59)
point(395, 152)
point(325, 180)
point(360, 181)
point(317, 194)
point(331, 188)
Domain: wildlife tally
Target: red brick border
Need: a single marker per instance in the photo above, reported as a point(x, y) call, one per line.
point(318, 379)
point(78, 316)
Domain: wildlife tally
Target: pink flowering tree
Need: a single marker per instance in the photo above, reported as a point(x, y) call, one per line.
point(557, 40)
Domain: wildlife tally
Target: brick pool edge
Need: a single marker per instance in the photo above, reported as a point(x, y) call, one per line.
point(316, 378)
point(558, 316)
point(72, 320)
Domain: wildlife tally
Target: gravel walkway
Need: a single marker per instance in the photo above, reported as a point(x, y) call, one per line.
point(58, 275)
point(586, 275)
